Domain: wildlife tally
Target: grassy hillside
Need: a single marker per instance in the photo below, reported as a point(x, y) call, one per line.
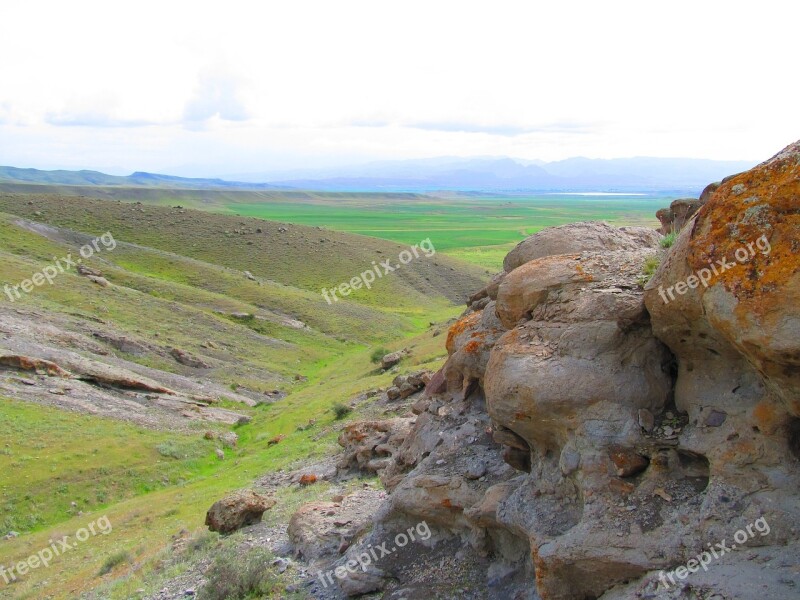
point(176, 277)
point(144, 524)
point(299, 257)
point(475, 228)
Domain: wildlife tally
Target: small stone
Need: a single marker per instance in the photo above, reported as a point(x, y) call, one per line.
point(281, 564)
point(476, 470)
point(646, 420)
point(715, 418)
point(569, 461)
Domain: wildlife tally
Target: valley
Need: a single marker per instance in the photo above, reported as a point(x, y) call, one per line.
point(261, 356)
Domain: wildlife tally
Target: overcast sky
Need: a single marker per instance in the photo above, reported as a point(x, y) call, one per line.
point(200, 88)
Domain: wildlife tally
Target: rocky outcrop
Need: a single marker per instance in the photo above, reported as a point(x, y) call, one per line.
point(591, 436)
point(188, 359)
point(324, 530)
point(237, 510)
point(579, 237)
point(679, 212)
point(29, 363)
point(404, 386)
point(370, 445)
point(122, 343)
point(469, 342)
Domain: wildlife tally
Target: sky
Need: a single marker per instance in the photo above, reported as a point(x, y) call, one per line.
point(208, 89)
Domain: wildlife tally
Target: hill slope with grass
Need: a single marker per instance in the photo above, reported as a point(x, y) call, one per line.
point(193, 354)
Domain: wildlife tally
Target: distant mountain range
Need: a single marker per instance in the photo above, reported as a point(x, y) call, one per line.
point(437, 174)
point(506, 174)
point(138, 179)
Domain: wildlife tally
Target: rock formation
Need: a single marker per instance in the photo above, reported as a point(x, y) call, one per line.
point(588, 438)
point(679, 212)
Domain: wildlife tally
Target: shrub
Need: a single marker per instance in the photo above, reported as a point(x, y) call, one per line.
point(237, 576)
point(114, 561)
point(341, 410)
point(378, 354)
point(203, 541)
point(169, 450)
point(668, 240)
point(648, 269)
point(183, 449)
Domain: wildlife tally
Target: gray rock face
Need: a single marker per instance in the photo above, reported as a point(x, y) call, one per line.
point(582, 359)
point(579, 237)
point(322, 531)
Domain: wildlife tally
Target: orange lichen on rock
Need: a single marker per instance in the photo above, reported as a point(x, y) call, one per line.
point(472, 347)
point(767, 417)
point(583, 274)
point(39, 365)
point(755, 213)
point(459, 327)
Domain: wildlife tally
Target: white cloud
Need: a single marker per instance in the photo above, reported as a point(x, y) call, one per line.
point(297, 84)
point(98, 110)
point(218, 94)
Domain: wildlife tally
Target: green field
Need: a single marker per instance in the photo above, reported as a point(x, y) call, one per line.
point(480, 229)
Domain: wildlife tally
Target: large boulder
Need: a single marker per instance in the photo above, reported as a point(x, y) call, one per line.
point(237, 510)
point(579, 237)
point(581, 352)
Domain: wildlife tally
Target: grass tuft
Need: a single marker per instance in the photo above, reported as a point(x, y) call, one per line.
point(648, 269)
point(341, 410)
point(378, 354)
point(113, 561)
point(668, 240)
